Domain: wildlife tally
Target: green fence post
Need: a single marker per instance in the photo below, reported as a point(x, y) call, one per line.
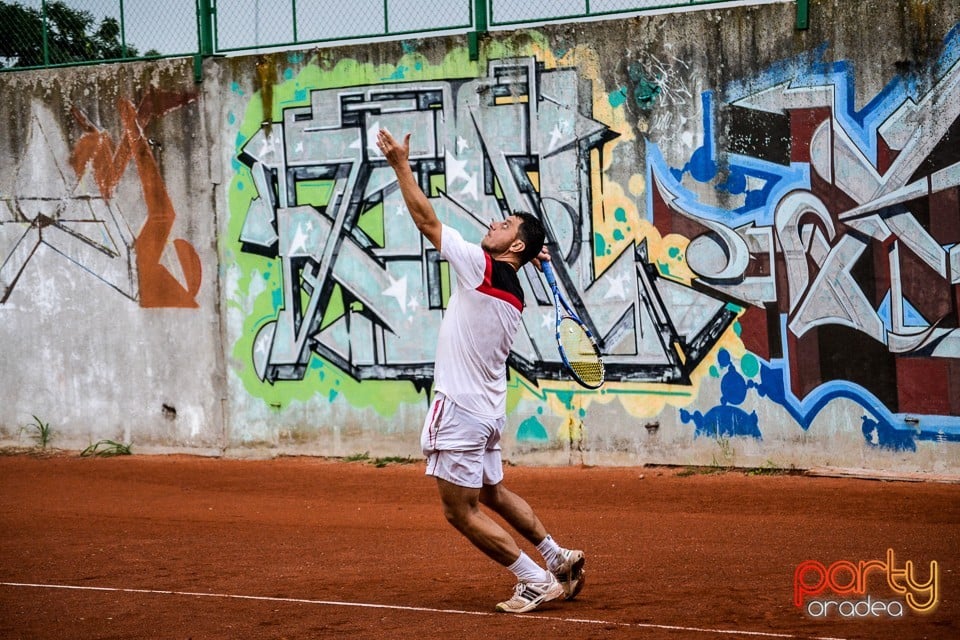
point(46, 40)
point(123, 33)
point(296, 36)
point(479, 28)
point(205, 22)
point(204, 37)
point(803, 14)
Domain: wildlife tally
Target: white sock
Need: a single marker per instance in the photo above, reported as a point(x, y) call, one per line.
point(527, 570)
point(550, 551)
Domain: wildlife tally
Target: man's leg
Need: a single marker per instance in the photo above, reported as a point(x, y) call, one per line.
point(461, 509)
point(515, 510)
point(535, 586)
point(565, 564)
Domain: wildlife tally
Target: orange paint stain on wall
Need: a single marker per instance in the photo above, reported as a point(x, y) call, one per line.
point(96, 149)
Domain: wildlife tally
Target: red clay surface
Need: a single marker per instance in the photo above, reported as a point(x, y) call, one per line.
point(185, 547)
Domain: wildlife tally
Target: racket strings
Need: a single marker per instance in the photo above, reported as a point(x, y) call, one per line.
point(581, 352)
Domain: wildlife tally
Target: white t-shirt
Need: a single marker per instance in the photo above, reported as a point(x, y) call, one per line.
point(478, 328)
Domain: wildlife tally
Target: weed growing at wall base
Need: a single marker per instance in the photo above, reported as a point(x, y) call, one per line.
point(378, 462)
point(106, 449)
point(42, 433)
point(382, 462)
point(771, 468)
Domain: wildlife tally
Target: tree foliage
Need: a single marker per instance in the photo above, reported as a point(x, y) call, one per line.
point(72, 35)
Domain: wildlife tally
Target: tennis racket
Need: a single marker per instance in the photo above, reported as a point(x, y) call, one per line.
point(576, 344)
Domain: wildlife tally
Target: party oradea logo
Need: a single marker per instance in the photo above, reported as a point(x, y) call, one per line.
point(866, 588)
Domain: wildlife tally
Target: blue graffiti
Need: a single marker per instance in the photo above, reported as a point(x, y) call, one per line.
point(726, 420)
point(723, 422)
point(532, 430)
point(885, 436)
point(808, 70)
point(759, 185)
point(882, 428)
point(704, 168)
point(774, 180)
point(911, 317)
point(811, 70)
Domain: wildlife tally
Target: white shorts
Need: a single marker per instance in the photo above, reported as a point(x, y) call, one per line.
point(461, 447)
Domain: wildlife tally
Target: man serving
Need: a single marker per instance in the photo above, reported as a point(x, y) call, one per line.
point(461, 433)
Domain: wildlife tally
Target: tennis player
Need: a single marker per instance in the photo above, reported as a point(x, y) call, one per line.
point(461, 434)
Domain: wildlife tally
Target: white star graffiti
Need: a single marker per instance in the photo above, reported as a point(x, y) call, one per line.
point(456, 168)
point(555, 136)
point(298, 245)
point(471, 187)
point(616, 289)
point(398, 291)
point(372, 139)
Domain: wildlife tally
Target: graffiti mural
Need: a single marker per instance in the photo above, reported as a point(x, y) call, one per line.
point(362, 291)
point(838, 230)
point(90, 229)
point(774, 236)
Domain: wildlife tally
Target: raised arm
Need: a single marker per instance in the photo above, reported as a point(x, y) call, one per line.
point(398, 157)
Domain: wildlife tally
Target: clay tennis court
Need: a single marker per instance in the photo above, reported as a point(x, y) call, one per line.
point(190, 547)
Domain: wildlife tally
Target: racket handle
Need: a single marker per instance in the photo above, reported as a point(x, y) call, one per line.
point(548, 273)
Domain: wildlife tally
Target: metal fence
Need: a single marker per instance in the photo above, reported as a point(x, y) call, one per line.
point(512, 13)
point(241, 25)
point(43, 33)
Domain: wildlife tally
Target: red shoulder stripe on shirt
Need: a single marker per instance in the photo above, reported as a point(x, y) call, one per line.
point(487, 287)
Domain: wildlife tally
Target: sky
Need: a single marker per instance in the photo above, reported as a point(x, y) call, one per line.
point(170, 26)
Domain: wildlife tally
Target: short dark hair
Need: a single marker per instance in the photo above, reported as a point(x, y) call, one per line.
point(532, 234)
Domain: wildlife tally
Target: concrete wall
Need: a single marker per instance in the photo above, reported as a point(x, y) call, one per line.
point(109, 288)
point(762, 223)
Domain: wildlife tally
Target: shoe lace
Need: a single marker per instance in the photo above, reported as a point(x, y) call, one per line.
point(562, 559)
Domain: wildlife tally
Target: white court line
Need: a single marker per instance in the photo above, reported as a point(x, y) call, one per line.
point(365, 605)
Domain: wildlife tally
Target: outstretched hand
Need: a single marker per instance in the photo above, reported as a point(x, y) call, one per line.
point(396, 154)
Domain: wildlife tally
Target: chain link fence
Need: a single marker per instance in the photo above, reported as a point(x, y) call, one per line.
point(39, 33)
point(511, 13)
point(259, 24)
point(42, 33)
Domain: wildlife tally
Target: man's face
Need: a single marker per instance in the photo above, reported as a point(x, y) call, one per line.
point(500, 235)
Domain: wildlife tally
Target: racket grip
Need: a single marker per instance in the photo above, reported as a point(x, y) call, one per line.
point(548, 273)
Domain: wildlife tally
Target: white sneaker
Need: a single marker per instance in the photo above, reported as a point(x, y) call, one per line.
point(527, 596)
point(570, 572)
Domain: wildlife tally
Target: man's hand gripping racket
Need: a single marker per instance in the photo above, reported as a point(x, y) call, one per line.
point(577, 346)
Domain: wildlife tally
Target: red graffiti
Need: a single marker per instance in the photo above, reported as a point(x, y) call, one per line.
point(96, 148)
